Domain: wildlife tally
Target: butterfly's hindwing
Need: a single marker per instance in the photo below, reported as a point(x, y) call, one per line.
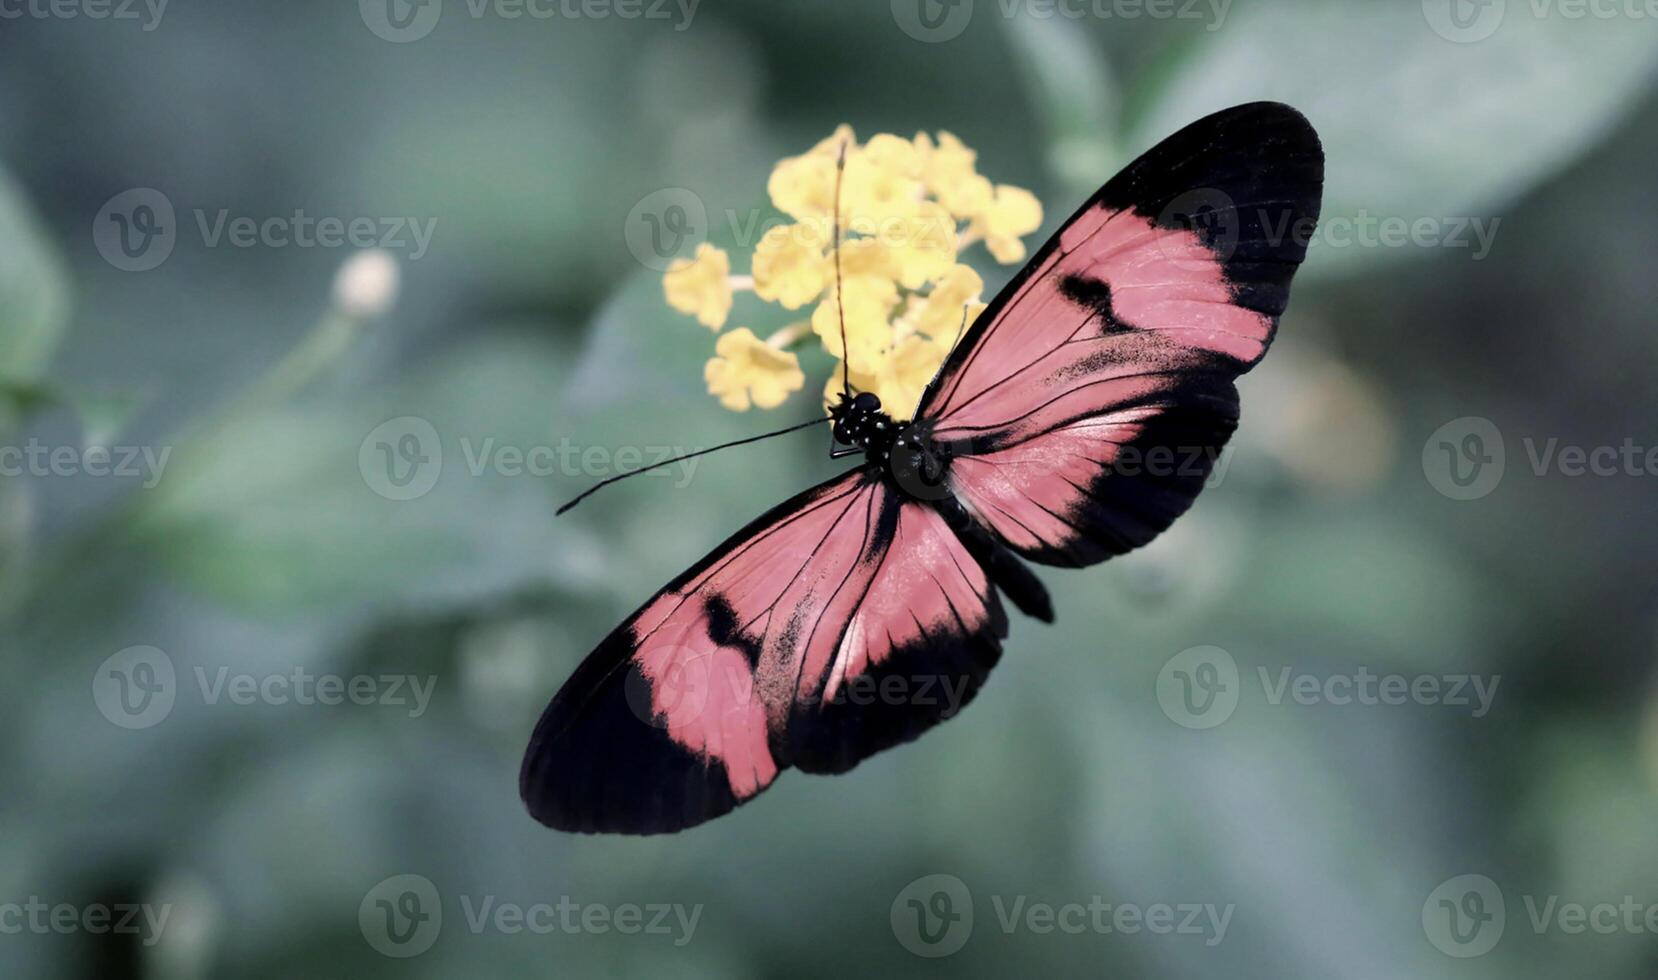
point(844, 622)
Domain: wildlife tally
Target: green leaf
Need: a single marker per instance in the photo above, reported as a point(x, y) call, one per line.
point(1415, 125)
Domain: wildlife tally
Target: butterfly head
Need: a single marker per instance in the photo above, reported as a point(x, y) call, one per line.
point(859, 420)
point(903, 451)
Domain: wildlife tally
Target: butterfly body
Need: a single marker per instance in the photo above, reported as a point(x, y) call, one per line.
point(1079, 415)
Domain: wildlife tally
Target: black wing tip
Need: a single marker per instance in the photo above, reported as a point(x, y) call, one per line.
point(612, 771)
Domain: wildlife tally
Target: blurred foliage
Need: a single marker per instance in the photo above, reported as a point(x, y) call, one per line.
point(265, 547)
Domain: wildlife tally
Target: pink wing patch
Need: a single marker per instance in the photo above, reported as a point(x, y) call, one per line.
point(1087, 405)
point(1112, 288)
point(757, 660)
point(1104, 484)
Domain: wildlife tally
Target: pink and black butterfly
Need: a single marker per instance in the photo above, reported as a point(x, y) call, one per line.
point(1119, 340)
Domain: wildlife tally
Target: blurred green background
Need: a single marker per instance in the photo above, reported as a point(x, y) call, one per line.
point(1334, 544)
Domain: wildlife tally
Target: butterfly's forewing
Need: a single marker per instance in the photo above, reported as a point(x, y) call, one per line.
point(1089, 401)
point(778, 649)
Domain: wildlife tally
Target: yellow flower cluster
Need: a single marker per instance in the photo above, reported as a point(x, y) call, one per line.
point(907, 210)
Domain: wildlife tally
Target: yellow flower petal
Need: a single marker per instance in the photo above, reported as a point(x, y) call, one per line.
point(869, 305)
point(701, 287)
point(882, 183)
point(923, 244)
point(1015, 212)
point(803, 187)
point(947, 171)
point(905, 372)
point(899, 380)
point(867, 257)
point(790, 266)
point(746, 370)
point(940, 314)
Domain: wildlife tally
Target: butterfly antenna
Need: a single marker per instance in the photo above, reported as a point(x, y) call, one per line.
point(595, 488)
point(840, 298)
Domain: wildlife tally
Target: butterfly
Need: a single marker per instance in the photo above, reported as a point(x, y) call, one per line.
point(1075, 419)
